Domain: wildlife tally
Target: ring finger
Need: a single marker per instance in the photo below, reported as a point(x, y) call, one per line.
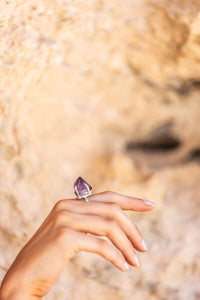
point(109, 210)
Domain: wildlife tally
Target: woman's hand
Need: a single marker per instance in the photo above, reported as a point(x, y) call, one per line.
point(64, 233)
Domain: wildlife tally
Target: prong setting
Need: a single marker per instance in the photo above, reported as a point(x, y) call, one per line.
point(82, 189)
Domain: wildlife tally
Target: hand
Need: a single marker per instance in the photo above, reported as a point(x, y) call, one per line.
point(64, 233)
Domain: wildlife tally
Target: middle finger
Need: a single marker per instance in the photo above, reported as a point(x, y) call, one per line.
point(110, 210)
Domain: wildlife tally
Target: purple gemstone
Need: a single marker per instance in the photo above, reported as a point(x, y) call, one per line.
point(82, 188)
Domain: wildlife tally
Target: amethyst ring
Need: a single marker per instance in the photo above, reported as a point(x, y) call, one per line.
point(82, 189)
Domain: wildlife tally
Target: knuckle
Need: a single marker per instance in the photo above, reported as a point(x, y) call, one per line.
point(115, 208)
point(60, 218)
point(63, 234)
point(111, 224)
point(102, 245)
point(117, 213)
point(59, 205)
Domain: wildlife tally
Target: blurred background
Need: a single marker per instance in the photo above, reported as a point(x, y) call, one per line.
point(110, 91)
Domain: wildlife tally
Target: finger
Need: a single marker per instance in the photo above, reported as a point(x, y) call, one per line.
point(125, 202)
point(93, 244)
point(101, 226)
point(109, 210)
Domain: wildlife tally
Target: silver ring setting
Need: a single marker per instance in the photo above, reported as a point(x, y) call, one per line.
point(82, 189)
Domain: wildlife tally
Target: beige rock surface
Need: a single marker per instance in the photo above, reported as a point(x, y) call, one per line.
point(109, 90)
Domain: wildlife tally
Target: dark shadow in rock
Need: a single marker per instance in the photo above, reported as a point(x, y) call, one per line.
point(162, 143)
point(160, 140)
point(194, 156)
point(160, 149)
point(184, 87)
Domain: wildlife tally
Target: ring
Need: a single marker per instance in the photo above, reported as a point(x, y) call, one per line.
point(82, 189)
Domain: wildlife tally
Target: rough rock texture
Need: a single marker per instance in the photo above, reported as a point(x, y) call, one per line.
point(109, 90)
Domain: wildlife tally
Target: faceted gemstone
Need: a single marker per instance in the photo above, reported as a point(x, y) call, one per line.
point(82, 188)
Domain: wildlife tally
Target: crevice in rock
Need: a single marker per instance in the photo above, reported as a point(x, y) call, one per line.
point(181, 87)
point(160, 148)
point(184, 87)
point(161, 143)
point(194, 155)
point(157, 142)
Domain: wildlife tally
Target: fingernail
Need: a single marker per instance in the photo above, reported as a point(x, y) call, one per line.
point(126, 266)
point(144, 245)
point(137, 261)
point(149, 203)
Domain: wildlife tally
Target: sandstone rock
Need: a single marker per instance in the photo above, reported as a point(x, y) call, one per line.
point(108, 91)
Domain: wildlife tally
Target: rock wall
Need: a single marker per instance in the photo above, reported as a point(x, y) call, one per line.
point(109, 90)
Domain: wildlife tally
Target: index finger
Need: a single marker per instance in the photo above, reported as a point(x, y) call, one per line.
point(124, 201)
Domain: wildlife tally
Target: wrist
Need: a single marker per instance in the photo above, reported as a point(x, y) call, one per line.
point(8, 291)
point(16, 295)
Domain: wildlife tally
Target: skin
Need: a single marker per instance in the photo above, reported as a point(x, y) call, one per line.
point(64, 233)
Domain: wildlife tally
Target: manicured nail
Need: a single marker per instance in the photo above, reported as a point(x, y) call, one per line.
point(126, 266)
point(149, 203)
point(137, 261)
point(144, 245)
